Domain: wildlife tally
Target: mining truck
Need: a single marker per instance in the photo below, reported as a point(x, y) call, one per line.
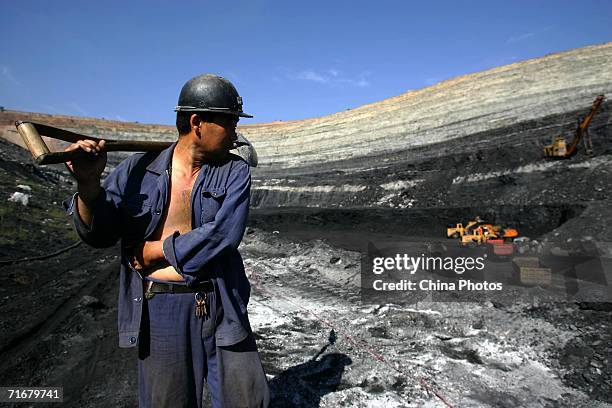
point(560, 149)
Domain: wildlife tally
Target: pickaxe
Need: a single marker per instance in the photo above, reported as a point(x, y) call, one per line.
point(30, 133)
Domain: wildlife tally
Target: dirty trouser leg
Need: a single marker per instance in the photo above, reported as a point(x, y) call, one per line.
point(241, 377)
point(174, 351)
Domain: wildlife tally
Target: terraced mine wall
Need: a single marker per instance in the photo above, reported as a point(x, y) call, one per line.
point(427, 148)
point(463, 106)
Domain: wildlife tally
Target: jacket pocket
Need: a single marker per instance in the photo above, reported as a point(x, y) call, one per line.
point(137, 216)
point(136, 208)
point(212, 199)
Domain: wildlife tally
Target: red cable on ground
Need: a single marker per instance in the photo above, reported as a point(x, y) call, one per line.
point(363, 346)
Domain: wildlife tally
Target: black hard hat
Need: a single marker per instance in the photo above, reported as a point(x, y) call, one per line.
point(210, 93)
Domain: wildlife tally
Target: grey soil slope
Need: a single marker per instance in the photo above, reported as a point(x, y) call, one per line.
point(401, 169)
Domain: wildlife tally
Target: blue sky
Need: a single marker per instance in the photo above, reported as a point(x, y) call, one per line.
point(127, 60)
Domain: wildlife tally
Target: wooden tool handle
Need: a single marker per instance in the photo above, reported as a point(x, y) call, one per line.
point(30, 133)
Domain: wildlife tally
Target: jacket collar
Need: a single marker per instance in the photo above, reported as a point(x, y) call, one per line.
point(162, 161)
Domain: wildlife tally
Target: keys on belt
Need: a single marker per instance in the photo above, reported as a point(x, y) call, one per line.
point(200, 295)
point(200, 304)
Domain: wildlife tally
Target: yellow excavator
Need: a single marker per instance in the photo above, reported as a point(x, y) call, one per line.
point(459, 230)
point(560, 149)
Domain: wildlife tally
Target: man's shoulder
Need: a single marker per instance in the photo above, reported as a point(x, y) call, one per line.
point(240, 169)
point(137, 161)
point(237, 163)
point(232, 163)
point(142, 159)
point(229, 171)
point(132, 169)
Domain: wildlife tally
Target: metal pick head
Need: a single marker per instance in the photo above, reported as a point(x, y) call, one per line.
point(245, 149)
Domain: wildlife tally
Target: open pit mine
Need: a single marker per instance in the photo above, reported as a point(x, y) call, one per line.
point(347, 204)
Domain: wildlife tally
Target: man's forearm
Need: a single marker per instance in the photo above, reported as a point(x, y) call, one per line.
point(147, 254)
point(152, 252)
point(87, 195)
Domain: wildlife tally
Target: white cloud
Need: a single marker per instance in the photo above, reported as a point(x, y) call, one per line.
point(332, 77)
point(311, 76)
point(520, 37)
point(8, 75)
point(361, 82)
point(526, 36)
point(334, 72)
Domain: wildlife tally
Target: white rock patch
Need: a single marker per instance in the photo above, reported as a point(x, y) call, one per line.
point(21, 198)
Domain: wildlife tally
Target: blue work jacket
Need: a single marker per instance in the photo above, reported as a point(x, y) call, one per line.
point(130, 209)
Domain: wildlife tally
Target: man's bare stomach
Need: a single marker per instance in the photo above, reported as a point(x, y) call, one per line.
point(165, 273)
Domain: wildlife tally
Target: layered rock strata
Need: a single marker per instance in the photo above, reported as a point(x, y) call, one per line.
point(452, 109)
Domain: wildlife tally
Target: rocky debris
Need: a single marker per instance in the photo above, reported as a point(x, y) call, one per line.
point(582, 361)
point(91, 302)
point(19, 197)
point(41, 228)
point(473, 354)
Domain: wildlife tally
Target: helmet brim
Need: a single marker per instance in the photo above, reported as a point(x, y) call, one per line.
point(214, 110)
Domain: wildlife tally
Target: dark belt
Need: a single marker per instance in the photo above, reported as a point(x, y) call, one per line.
point(158, 287)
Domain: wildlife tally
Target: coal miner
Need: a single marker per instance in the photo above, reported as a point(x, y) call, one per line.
point(180, 215)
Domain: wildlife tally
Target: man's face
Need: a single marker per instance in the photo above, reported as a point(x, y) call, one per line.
point(218, 134)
